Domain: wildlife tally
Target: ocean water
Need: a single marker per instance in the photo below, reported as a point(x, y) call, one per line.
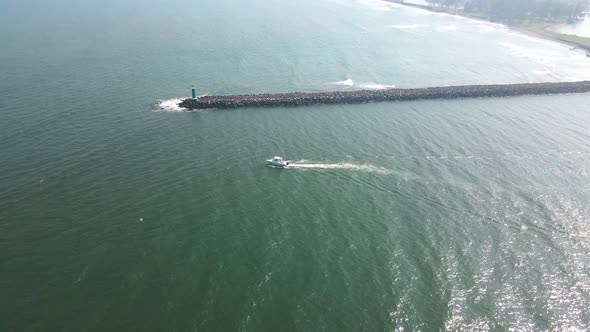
point(120, 211)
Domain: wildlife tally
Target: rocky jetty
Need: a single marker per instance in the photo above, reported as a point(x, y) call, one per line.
point(367, 96)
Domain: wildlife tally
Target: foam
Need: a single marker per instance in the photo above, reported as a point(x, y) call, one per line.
point(421, 11)
point(447, 28)
point(375, 86)
point(169, 105)
point(426, 12)
point(541, 56)
point(537, 40)
point(407, 26)
point(557, 60)
point(364, 85)
point(489, 27)
point(347, 82)
point(304, 164)
point(419, 2)
point(379, 4)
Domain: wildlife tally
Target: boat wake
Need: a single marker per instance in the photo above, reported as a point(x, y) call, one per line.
point(305, 164)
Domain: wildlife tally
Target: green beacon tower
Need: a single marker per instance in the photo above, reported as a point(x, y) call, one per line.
point(194, 92)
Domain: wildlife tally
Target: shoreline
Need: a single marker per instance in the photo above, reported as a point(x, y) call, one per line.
point(542, 32)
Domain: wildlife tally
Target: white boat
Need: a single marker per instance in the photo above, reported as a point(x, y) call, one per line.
point(277, 162)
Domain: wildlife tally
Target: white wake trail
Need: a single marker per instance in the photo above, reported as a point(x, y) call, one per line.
point(348, 166)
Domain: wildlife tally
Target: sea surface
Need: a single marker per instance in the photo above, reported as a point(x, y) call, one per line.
point(120, 211)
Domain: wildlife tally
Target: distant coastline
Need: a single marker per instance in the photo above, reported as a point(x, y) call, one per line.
point(535, 29)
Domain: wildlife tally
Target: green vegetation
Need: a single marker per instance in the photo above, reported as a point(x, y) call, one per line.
point(543, 28)
point(526, 9)
point(580, 41)
point(532, 16)
point(516, 10)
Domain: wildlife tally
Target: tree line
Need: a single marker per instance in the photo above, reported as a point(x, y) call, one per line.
point(520, 9)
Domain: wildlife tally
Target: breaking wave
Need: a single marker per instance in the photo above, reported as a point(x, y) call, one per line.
point(379, 4)
point(347, 82)
point(364, 85)
point(169, 105)
point(408, 26)
point(375, 86)
point(447, 28)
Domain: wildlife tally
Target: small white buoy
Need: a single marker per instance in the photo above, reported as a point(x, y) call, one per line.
point(140, 219)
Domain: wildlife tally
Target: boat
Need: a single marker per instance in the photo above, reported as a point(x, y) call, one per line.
point(277, 162)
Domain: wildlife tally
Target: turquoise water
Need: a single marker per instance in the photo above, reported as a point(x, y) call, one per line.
point(120, 211)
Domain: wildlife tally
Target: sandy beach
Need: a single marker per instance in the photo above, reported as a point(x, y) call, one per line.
point(539, 31)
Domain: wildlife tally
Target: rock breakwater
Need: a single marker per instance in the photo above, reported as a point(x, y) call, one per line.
point(385, 95)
